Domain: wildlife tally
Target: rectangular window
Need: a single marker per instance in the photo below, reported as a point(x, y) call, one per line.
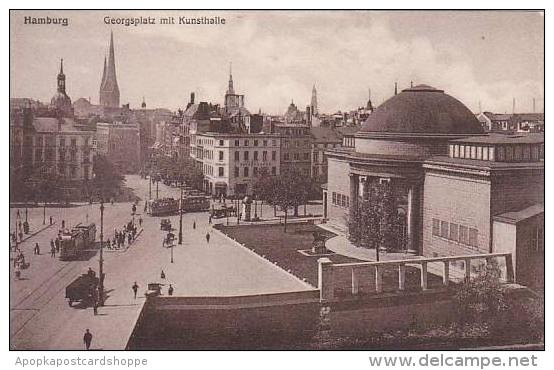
point(246, 143)
point(526, 152)
point(306, 156)
point(273, 142)
point(473, 237)
point(462, 234)
point(264, 155)
point(348, 201)
point(237, 173)
point(518, 154)
point(220, 155)
point(473, 152)
point(255, 142)
point(468, 151)
point(255, 171)
point(479, 152)
point(237, 142)
point(286, 156)
point(73, 144)
point(500, 153)
point(509, 153)
point(436, 227)
point(486, 153)
point(451, 150)
point(274, 171)
point(462, 151)
point(237, 156)
point(273, 155)
point(453, 232)
point(444, 229)
point(246, 170)
point(296, 156)
point(256, 155)
point(221, 171)
point(246, 155)
point(220, 142)
point(316, 156)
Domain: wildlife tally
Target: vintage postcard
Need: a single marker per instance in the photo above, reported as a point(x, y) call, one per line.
point(276, 180)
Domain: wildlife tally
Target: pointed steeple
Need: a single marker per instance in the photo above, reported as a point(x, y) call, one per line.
point(61, 79)
point(369, 105)
point(109, 90)
point(313, 104)
point(230, 89)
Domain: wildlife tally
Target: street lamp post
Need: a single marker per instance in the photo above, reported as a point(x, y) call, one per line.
point(180, 220)
point(101, 262)
point(150, 186)
point(172, 251)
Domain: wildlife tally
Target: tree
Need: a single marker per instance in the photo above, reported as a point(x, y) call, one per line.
point(373, 221)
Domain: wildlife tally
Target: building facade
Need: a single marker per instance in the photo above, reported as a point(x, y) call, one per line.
point(231, 163)
point(449, 179)
point(296, 147)
point(120, 143)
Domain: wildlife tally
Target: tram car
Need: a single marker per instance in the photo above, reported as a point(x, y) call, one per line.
point(74, 242)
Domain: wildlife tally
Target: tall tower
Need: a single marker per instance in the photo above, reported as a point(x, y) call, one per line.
point(61, 102)
point(109, 91)
point(313, 104)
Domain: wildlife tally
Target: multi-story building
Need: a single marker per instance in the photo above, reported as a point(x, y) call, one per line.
point(520, 122)
point(120, 143)
point(232, 162)
point(296, 147)
point(323, 138)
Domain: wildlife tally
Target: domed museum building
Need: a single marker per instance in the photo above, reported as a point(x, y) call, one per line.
point(458, 189)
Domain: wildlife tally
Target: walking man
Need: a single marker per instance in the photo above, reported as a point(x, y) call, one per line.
point(52, 250)
point(87, 339)
point(50, 220)
point(135, 289)
point(208, 238)
point(210, 219)
point(37, 249)
point(170, 290)
point(194, 225)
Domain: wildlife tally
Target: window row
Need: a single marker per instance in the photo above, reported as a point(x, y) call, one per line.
point(500, 153)
point(457, 233)
point(256, 142)
point(255, 171)
point(296, 156)
point(341, 200)
point(246, 155)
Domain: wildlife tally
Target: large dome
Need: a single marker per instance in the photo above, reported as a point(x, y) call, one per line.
point(422, 110)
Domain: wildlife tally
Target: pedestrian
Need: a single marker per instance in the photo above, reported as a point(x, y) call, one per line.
point(52, 245)
point(208, 238)
point(50, 220)
point(87, 339)
point(170, 290)
point(140, 221)
point(37, 249)
point(52, 251)
point(194, 225)
point(63, 224)
point(210, 219)
point(162, 275)
point(57, 244)
point(135, 289)
point(130, 238)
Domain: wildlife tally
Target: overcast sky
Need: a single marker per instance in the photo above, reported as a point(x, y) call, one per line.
point(277, 57)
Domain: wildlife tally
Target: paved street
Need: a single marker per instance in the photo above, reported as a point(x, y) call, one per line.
point(40, 317)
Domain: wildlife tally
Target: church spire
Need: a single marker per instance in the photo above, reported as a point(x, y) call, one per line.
point(61, 79)
point(313, 104)
point(230, 89)
point(109, 90)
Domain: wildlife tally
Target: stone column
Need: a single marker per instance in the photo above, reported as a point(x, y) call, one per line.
point(354, 191)
point(410, 215)
point(325, 279)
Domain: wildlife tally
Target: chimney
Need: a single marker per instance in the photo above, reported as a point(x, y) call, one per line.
point(192, 98)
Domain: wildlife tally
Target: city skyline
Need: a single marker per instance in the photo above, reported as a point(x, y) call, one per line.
point(484, 59)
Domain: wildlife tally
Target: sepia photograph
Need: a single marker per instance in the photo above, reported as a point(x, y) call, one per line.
point(292, 180)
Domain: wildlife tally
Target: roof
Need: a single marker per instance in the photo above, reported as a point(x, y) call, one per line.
point(494, 138)
point(50, 124)
point(521, 215)
point(348, 130)
point(422, 110)
point(325, 135)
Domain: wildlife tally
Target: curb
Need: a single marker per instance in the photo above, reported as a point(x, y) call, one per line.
point(29, 236)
